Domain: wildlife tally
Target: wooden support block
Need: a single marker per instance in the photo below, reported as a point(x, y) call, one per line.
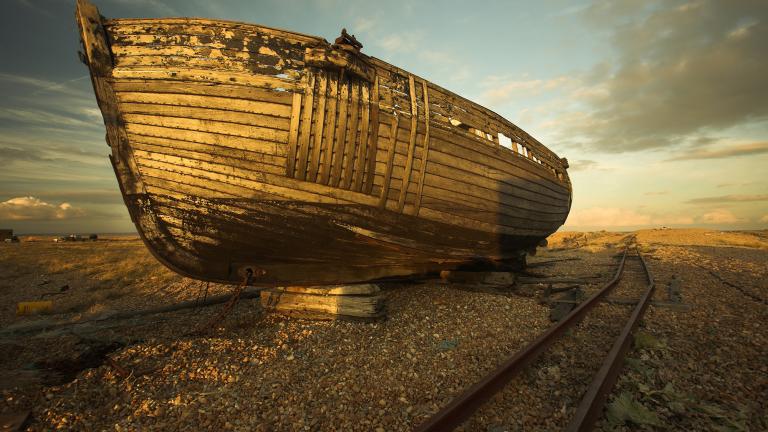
point(363, 301)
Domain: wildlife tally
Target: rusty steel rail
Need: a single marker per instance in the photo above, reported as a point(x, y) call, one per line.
point(462, 407)
point(591, 407)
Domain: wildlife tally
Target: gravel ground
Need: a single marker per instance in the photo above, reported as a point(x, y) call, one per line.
point(699, 370)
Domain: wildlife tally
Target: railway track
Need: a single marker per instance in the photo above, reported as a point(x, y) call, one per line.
point(631, 279)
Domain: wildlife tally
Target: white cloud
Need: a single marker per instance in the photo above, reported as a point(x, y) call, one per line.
point(764, 218)
point(31, 208)
point(503, 89)
point(719, 216)
point(615, 217)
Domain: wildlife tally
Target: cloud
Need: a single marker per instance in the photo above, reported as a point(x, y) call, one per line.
point(764, 218)
point(406, 41)
point(502, 90)
point(676, 72)
point(719, 216)
point(607, 217)
point(31, 208)
point(728, 198)
point(582, 165)
point(719, 153)
point(656, 193)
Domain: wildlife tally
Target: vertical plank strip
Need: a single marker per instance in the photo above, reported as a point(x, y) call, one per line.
point(424, 152)
point(374, 139)
point(314, 161)
point(390, 162)
point(340, 135)
point(361, 149)
point(330, 130)
point(349, 150)
point(306, 127)
point(411, 145)
point(293, 135)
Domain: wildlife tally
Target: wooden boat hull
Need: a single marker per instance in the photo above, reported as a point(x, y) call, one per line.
point(239, 146)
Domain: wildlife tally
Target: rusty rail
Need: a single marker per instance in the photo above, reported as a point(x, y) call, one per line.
point(591, 406)
point(462, 407)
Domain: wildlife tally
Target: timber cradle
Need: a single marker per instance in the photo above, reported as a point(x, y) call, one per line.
point(240, 146)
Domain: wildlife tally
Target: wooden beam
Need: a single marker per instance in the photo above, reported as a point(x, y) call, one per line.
point(424, 151)
point(349, 150)
point(374, 139)
point(411, 144)
point(390, 160)
point(330, 130)
point(362, 148)
point(338, 158)
point(319, 123)
point(306, 128)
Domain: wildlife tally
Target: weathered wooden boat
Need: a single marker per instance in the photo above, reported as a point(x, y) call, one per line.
point(240, 146)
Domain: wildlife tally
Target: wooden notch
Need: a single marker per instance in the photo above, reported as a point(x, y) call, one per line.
point(319, 123)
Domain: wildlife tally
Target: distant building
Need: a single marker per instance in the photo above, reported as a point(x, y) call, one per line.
point(6, 234)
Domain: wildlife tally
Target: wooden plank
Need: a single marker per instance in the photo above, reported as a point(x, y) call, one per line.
point(211, 102)
point(319, 123)
point(210, 126)
point(355, 306)
point(330, 130)
point(306, 127)
point(207, 75)
point(425, 151)
point(341, 133)
point(177, 87)
point(361, 149)
point(349, 149)
point(225, 141)
point(201, 26)
point(293, 135)
point(411, 142)
point(213, 150)
point(247, 182)
point(390, 159)
point(374, 137)
point(160, 153)
point(248, 119)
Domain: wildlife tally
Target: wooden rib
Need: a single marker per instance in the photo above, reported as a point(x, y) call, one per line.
point(330, 130)
point(319, 123)
point(306, 128)
point(374, 139)
point(411, 142)
point(293, 135)
point(361, 149)
point(390, 159)
point(349, 149)
point(424, 152)
point(341, 133)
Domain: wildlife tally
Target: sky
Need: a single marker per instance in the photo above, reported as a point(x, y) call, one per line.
point(661, 107)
